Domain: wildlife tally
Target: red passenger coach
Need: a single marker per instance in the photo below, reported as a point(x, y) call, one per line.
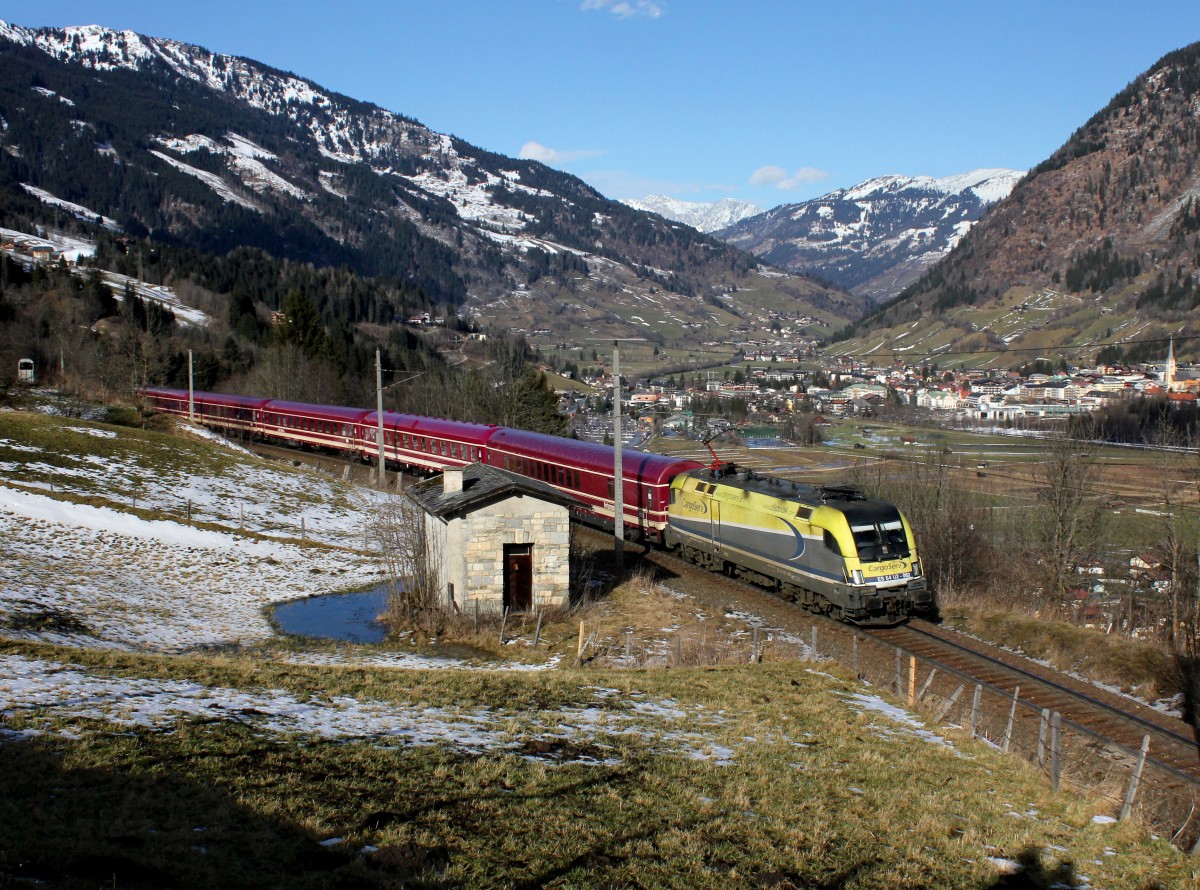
point(585, 469)
point(212, 408)
point(582, 469)
point(429, 443)
point(323, 426)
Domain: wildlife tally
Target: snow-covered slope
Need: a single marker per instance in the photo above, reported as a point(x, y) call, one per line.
point(702, 216)
point(876, 237)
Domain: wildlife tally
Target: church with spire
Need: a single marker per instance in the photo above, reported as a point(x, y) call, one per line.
point(1170, 370)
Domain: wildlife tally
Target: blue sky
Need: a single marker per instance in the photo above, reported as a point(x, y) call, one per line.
point(770, 102)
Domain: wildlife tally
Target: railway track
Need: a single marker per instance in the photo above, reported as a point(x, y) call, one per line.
point(1105, 717)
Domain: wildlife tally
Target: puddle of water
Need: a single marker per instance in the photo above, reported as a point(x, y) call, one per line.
point(349, 617)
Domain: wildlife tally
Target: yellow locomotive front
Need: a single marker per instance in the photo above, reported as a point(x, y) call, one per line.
point(827, 547)
point(883, 576)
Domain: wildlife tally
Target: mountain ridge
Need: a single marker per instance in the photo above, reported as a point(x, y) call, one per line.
point(179, 143)
point(876, 237)
point(704, 216)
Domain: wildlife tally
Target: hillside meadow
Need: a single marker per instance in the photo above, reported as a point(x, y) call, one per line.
point(155, 729)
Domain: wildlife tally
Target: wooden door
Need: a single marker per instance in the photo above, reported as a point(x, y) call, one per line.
point(518, 577)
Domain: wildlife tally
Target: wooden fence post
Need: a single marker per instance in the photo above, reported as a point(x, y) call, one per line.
point(815, 653)
point(503, 622)
point(1056, 751)
point(926, 684)
point(579, 647)
point(628, 647)
point(1135, 779)
point(950, 704)
point(1012, 713)
point(678, 648)
point(975, 702)
point(854, 654)
point(912, 680)
point(757, 656)
point(537, 632)
point(1042, 737)
point(899, 674)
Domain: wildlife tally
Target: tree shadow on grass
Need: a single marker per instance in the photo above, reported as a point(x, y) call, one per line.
point(1033, 874)
point(146, 826)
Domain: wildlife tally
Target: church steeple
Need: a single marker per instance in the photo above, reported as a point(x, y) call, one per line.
point(1169, 371)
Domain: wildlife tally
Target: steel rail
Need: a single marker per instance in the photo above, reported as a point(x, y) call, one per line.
point(1110, 710)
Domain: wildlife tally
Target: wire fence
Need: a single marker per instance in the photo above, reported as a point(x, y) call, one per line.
point(1128, 782)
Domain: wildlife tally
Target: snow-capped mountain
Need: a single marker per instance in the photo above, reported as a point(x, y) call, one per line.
point(876, 237)
point(701, 216)
point(176, 142)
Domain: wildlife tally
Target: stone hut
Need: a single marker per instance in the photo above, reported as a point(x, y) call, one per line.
point(502, 540)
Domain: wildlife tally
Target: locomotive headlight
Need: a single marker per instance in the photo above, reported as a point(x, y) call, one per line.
point(857, 576)
point(916, 568)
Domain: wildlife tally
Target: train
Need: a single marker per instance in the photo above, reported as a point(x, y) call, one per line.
point(829, 548)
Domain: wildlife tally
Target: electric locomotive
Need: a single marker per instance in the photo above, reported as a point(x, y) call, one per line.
point(828, 548)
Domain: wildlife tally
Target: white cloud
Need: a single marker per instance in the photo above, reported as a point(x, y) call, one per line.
point(535, 151)
point(626, 9)
point(778, 177)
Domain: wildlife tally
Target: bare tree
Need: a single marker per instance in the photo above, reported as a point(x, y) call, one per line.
point(412, 562)
point(1176, 545)
point(285, 371)
point(1067, 522)
point(953, 525)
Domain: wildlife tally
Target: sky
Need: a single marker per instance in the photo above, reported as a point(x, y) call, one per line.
point(768, 101)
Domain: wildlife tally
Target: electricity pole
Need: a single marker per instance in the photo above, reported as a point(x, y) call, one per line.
point(379, 417)
point(618, 477)
point(191, 392)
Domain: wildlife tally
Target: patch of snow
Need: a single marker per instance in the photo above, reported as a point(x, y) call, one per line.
point(77, 210)
point(212, 180)
point(913, 727)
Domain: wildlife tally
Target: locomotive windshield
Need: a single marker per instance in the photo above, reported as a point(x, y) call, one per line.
point(880, 540)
